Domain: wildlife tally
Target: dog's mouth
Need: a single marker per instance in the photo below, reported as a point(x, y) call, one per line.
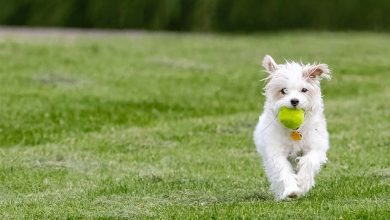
point(292, 107)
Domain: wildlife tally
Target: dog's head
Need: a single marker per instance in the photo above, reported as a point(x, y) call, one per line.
point(294, 85)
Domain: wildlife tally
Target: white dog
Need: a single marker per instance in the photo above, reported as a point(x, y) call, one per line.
point(291, 165)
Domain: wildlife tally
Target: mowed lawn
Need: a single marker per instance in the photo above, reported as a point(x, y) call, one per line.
point(159, 125)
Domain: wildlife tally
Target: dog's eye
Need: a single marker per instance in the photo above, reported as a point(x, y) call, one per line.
point(283, 91)
point(304, 90)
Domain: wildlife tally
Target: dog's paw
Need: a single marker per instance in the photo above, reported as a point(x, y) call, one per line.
point(293, 195)
point(291, 192)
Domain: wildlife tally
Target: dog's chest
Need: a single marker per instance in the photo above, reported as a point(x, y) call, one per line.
point(296, 149)
point(292, 148)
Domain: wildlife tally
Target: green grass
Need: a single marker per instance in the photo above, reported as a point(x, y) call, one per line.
point(160, 126)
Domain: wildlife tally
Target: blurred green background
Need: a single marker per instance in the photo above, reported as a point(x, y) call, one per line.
point(200, 15)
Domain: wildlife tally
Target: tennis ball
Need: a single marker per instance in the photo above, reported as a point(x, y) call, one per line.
point(291, 118)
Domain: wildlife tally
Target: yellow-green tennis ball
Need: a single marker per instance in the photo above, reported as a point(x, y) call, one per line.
point(290, 117)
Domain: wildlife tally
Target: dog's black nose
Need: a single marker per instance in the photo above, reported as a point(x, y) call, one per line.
point(294, 102)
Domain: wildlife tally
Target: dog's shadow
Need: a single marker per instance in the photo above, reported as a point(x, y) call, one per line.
point(252, 197)
point(256, 196)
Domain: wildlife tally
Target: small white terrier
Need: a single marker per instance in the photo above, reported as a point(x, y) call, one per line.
point(291, 164)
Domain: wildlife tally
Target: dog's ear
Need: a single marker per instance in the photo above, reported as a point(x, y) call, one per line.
point(269, 64)
point(317, 71)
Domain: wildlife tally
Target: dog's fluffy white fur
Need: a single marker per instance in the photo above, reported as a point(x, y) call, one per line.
point(292, 165)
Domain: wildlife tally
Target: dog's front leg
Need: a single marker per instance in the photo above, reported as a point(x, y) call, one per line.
point(282, 177)
point(309, 165)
